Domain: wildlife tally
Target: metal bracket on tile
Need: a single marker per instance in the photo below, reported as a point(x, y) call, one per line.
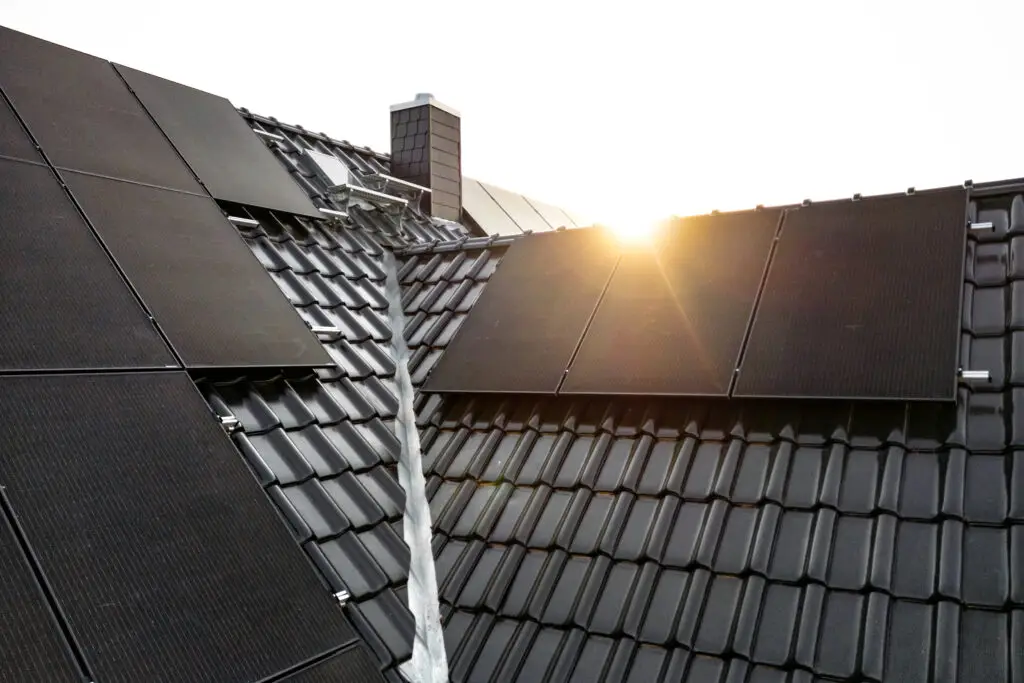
point(325, 333)
point(350, 194)
point(243, 222)
point(983, 375)
point(268, 135)
point(911, 190)
point(340, 215)
point(342, 597)
point(385, 183)
point(984, 225)
point(230, 424)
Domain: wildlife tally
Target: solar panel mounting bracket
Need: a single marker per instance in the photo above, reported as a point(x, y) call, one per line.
point(268, 135)
point(238, 221)
point(382, 182)
point(230, 424)
point(334, 215)
point(325, 332)
point(982, 375)
point(353, 195)
point(983, 225)
point(342, 597)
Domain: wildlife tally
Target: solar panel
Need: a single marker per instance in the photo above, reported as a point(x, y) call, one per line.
point(167, 558)
point(552, 215)
point(225, 154)
point(350, 666)
point(516, 206)
point(64, 304)
point(673, 319)
point(14, 141)
point(83, 116)
point(207, 291)
point(522, 332)
point(32, 648)
point(482, 208)
point(862, 301)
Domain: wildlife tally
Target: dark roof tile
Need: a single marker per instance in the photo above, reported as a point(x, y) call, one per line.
point(317, 508)
point(284, 459)
point(355, 566)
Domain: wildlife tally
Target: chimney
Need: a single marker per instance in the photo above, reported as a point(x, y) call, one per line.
point(426, 149)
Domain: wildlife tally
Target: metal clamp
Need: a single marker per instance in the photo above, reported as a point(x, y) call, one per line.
point(983, 375)
point(326, 333)
point(984, 225)
point(243, 222)
point(340, 215)
point(268, 135)
point(342, 597)
point(230, 424)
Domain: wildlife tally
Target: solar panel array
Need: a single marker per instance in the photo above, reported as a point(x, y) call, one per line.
point(135, 543)
point(862, 301)
point(168, 560)
point(222, 310)
point(232, 163)
point(500, 212)
point(689, 298)
point(837, 300)
point(531, 316)
point(215, 305)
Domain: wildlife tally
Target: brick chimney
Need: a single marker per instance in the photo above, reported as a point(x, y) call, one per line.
point(426, 149)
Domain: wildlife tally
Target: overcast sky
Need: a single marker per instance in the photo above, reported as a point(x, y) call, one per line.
point(625, 110)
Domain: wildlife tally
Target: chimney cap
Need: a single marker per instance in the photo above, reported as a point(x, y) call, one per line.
point(422, 99)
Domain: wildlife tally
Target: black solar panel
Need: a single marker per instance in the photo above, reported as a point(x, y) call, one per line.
point(83, 115)
point(32, 648)
point(64, 306)
point(351, 666)
point(675, 314)
point(521, 334)
point(225, 154)
point(165, 555)
point(862, 301)
point(208, 293)
point(14, 141)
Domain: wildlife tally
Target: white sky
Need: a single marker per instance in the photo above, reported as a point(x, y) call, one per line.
point(627, 111)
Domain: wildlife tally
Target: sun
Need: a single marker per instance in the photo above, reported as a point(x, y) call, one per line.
point(631, 225)
point(634, 232)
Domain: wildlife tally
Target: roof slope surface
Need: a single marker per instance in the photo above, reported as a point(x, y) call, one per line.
point(634, 539)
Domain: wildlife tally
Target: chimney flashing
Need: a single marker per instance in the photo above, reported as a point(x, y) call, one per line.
point(423, 99)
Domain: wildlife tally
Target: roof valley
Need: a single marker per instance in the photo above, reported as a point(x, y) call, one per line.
point(429, 662)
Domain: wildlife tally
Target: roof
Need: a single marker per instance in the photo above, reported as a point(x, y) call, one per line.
point(662, 539)
point(629, 539)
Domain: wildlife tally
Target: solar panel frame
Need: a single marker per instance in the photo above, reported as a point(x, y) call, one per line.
point(518, 208)
point(84, 117)
point(225, 154)
point(675, 314)
point(65, 304)
point(521, 334)
point(214, 303)
point(34, 647)
point(15, 142)
point(890, 322)
point(482, 208)
point(163, 552)
point(552, 215)
point(352, 665)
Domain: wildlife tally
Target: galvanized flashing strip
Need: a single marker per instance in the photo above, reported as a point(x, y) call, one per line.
point(429, 663)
